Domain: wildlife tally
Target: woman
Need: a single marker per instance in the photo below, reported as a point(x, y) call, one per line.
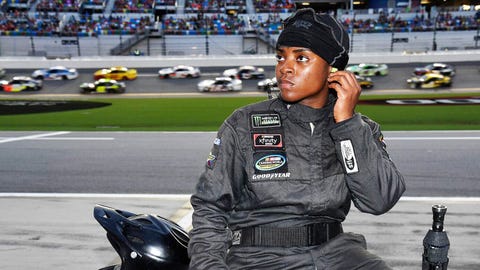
point(282, 173)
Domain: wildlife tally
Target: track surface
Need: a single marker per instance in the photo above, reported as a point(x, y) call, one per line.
point(148, 82)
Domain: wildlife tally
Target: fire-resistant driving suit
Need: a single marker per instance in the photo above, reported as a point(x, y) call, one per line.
point(278, 165)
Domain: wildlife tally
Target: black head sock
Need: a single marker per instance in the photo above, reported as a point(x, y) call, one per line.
point(321, 33)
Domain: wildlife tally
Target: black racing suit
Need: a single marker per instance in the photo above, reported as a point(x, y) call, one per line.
point(285, 165)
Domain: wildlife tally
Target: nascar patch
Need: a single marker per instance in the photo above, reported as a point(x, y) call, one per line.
point(265, 120)
point(269, 162)
point(348, 155)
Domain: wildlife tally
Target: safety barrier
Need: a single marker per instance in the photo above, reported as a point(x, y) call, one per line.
point(230, 60)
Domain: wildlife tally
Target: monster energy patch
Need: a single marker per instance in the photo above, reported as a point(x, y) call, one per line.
point(263, 120)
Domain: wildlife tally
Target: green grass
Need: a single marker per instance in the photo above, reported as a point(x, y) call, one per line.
point(207, 114)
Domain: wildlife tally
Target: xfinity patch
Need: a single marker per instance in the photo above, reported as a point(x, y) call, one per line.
point(265, 120)
point(349, 159)
point(268, 162)
point(267, 141)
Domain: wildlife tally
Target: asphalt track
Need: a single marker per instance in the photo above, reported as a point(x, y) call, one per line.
point(55, 229)
point(148, 84)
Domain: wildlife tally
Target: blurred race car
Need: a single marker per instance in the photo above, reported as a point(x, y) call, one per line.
point(21, 83)
point(439, 68)
point(429, 80)
point(365, 82)
point(116, 73)
point(368, 69)
point(220, 84)
point(269, 82)
point(245, 73)
point(179, 71)
point(103, 86)
point(55, 73)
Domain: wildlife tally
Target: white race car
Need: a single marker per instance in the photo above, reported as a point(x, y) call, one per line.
point(369, 69)
point(220, 84)
point(55, 73)
point(269, 83)
point(245, 73)
point(179, 71)
point(439, 68)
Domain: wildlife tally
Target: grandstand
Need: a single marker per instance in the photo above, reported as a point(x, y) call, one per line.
point(66, 28)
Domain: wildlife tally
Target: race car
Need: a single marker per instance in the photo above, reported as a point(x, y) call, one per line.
point(103, 86)
point(268, 83)
point(439, 68)
point(365, 82)
point(116, 73)
point(179, 71)
point(21, 83)
point(245, 73)
point(220, 84)
point(429, 80)
point(55, 73)
point(368, 69)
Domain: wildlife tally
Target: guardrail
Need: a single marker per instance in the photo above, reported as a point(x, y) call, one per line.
point(232, 60)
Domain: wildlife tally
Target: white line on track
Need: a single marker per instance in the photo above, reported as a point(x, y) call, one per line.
point(31, 137)
point(96, 195)
point(429, 138)
point(49, 136)
point(187, 196)
point(69, 139)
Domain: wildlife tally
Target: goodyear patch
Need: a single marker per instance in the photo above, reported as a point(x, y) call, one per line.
point(265, 120)
point(348, 154)
point(270, 162)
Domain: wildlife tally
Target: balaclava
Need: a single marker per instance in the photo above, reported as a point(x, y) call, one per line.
point(321, 33)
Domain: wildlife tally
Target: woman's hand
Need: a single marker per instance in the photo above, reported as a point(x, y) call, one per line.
point(348, 92)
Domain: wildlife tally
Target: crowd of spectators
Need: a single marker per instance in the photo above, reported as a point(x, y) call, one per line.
point(48, 24)
point(214, 6)
point(274, 6)
point(211, 16)
point(214, 24)
point(19, 23)
point(133, 6)
point(420, 23)
point(57, 6)
point(111, 25)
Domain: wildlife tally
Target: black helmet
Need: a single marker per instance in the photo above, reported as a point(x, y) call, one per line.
point(143, 241)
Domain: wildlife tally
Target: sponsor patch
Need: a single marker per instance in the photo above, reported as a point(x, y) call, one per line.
point(267, 141)
point(217, 141)
point(264, 120)
point(349, 159)
point(270, 162)
point(211, 159)
point(270, 176)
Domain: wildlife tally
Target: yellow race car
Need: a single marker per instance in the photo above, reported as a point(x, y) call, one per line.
point(118, 73)
point(429, 80)
point(103, 86)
